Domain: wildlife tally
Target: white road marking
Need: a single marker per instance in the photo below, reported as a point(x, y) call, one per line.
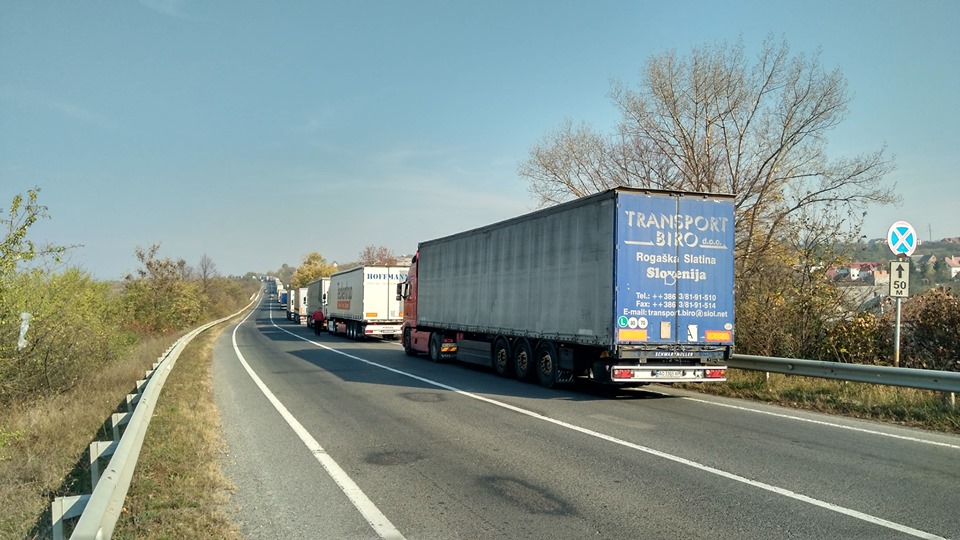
point(379, 522)
point(823, 423)
point(677, 459)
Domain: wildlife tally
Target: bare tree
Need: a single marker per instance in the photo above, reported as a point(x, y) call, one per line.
point(207, 271)
point(717, 122)
point(377, 256)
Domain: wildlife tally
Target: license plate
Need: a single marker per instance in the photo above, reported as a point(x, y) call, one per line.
point(671, 373)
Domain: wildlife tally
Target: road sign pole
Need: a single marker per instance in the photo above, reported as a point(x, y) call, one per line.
point(902, 240)
point(896, 338)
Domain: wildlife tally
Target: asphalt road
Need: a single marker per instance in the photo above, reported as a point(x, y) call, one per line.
point(330, 438)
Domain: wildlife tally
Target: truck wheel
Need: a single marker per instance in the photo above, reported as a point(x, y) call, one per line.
point(501, 360)
point(522, 359)
point(436, 343)
point(408, 343)
point(546, 364)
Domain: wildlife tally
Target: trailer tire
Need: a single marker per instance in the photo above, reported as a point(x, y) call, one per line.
point(500, 357)
point(436, 344)
point(546, 364)
point(407, 346)
point(523, 359)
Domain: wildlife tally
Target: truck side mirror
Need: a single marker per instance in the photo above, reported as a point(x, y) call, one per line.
point(399, 291)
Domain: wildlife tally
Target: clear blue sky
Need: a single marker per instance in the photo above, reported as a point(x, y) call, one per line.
point(257, 132)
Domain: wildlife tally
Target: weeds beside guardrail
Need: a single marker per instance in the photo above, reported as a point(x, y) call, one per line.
point(923, 379)
point(99, 511)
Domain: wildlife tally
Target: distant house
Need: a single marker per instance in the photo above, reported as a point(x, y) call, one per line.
point(881, 276)
point(954, 240)
point(953, 263)
point(865, 271)
point(927, 261)
point(859, 271)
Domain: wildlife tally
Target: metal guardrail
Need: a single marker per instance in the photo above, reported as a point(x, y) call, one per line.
point(925, 379)
point(100, 510)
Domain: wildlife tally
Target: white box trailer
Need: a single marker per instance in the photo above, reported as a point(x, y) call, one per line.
point(291, 302)
point(317, 298)
point(363, 301)
point(299, 306)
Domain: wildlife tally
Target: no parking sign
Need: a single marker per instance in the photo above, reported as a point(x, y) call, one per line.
point(902, 239)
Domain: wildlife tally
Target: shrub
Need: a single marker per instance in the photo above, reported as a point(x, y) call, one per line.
point(931, 331)
point(73, 330)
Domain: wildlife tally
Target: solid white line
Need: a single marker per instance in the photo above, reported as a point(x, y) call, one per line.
point(677, 459)
point(823, 423)
point(379, 522)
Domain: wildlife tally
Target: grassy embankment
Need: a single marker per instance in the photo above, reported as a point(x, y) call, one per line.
point(177, 489)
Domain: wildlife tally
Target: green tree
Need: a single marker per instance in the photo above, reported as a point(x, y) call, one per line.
point(159, 297)
point(74, 329)
point(285, 274)
point(941, 272)
point(17, 248)
point(312, 267)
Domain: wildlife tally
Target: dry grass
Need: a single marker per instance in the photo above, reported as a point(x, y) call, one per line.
point(178, 489)
point(43, 445)
point(905, 406)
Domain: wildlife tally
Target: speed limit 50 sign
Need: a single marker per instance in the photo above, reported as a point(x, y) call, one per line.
point(899, 279)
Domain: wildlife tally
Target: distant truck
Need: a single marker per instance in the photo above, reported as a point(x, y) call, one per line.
point(297, 308)
point(282, 297)
point(625, 287)
point(317, 298)
point(362, 302)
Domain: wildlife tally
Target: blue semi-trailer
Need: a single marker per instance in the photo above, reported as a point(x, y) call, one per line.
point(626, 287)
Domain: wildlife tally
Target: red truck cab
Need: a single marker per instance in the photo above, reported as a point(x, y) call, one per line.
point(434, 344)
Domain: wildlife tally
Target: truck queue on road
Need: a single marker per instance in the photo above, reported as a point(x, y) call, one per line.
point(625, 287)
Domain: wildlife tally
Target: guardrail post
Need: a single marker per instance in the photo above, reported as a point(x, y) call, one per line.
point(99, 449)
point(63, 508)
point(132, 400)
point(117, 420)
point(951, 399)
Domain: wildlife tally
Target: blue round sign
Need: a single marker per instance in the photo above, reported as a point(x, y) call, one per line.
point(902, 239)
